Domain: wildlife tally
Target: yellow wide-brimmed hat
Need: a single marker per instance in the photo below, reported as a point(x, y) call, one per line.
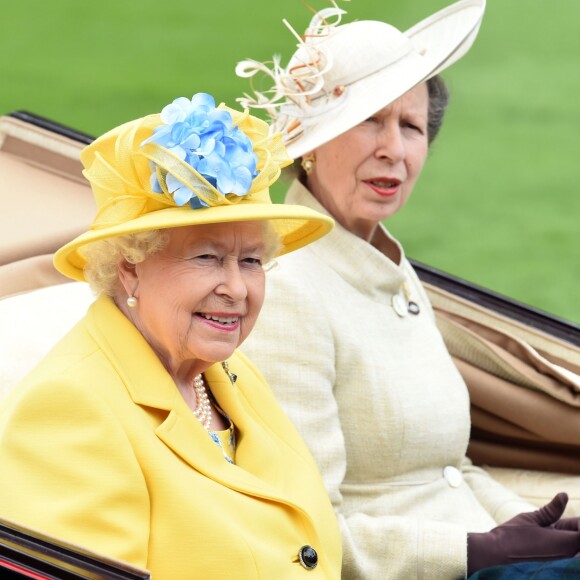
point(194, 163)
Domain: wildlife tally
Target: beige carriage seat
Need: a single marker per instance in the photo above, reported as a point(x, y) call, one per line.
point(524, 387)
point(31, 323)
point(46, 202)
point(40, 178)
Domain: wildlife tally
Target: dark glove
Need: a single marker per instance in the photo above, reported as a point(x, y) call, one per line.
point(567, 524)
point(535, 536)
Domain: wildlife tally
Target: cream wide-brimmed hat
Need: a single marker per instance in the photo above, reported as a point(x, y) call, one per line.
point(342, 74)
point(194, 163)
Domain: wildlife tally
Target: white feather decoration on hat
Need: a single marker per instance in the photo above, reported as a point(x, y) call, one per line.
point(288, 101)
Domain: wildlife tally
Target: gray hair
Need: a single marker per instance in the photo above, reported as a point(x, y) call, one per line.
point(438, 101)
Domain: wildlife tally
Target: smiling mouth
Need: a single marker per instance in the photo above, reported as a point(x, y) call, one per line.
point(384, 184)
point(225, 320)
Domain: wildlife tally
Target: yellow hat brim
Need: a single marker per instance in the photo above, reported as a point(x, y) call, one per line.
point(296, 226)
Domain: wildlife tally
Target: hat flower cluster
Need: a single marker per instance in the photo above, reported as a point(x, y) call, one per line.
point(204, 137)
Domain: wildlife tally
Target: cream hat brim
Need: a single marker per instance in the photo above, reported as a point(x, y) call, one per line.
point(438, 41)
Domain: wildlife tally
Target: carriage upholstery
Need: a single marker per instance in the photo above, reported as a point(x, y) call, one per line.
point(45, 202)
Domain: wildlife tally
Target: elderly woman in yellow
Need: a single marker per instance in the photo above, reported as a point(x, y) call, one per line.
point(144, 435)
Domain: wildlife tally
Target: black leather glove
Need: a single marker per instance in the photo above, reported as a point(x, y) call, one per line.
point(535, 536)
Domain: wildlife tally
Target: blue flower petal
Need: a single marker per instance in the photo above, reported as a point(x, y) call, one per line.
point(238, 157)
point(226, 182)
point(191, 142)
point(207, 168)
point(181, 194)
point(180, 132)
point(202, 100)
point(197, 203)
point(192, 159)
point(243, 180)
point(155, 187)
point(178, 151)
point(221, 117)
point(206, 146)
point(176, 111)
point(219, 149)
point(160, 134)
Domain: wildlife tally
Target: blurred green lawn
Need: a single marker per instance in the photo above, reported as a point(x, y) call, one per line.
point(498, 201)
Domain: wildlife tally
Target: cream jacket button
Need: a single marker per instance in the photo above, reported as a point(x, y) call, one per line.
point(453, 476)
point(399, 305)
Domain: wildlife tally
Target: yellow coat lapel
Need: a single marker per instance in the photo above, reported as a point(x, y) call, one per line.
point(149, 385)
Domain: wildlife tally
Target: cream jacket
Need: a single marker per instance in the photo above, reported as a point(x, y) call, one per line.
point(98, 447)
point(381, 405)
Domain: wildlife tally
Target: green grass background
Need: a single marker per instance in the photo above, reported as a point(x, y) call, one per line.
point(498, 202)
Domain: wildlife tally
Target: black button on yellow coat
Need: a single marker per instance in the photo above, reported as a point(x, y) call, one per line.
point(308, 557)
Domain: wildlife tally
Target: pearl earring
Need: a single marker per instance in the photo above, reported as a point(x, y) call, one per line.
point(131, 301)
point(308, 163)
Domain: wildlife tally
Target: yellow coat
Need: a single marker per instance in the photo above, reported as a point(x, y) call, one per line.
point(98, 447)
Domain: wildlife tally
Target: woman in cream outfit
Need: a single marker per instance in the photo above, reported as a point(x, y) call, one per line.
point(348, 339)
point(143, 435)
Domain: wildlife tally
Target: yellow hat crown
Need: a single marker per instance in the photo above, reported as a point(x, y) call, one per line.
point(192, 153)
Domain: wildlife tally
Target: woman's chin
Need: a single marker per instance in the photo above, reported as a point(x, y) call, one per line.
point(378, 210)
point(215, 353)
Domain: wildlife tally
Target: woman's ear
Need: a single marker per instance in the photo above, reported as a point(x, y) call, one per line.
point(128, 277)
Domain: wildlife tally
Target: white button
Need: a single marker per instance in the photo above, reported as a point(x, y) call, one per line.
point(453, 476)
point(399, 305)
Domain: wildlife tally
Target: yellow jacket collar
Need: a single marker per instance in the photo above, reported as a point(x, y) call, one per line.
point(149, 384)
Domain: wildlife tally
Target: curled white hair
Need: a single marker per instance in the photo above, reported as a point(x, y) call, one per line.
point(103, 257)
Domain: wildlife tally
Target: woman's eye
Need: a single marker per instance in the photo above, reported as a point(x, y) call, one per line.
point(205, 257)
point(252, 261)
point(413, 127)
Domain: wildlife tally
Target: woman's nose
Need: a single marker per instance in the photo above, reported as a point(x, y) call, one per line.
point(232, 283)
point(390, 143)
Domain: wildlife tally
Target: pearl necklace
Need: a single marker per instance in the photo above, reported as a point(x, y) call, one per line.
point(203, 410)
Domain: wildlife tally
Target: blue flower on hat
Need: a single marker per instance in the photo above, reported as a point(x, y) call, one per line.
point(205, 138)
